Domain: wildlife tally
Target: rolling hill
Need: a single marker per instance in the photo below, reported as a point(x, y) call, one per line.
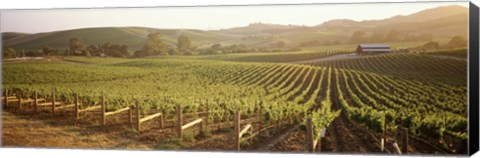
point(436, 21)
point(133, 37)
point(444, 22)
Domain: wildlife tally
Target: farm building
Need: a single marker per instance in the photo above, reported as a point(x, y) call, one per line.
point(373, 48)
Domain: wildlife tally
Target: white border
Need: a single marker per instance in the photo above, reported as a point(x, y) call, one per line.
point(74, 153)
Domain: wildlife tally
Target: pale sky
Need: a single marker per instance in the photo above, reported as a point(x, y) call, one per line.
point(205, 18)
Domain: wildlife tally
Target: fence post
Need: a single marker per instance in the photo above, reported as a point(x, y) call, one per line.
point(6, 98)
point(207, 114)
point(130, 119)
point(53, 102)
point(137, 115)
point(237, 129)
point(396, 148)
point(35, 101)
point(260, 118)
point(161, 119)
point(310, 145)
point(19, 100)
point(278, 124)
point(75, 99)
point(200, 127)
point(102, 102)
point(318, 146)
point(382, 143)
point(179, 121)
point(404, 134)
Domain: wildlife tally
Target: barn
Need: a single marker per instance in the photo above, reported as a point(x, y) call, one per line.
point(373, 48)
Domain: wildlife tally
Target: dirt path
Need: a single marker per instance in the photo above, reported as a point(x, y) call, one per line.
point(25, 129)
point(29, 132)
point(278, 139)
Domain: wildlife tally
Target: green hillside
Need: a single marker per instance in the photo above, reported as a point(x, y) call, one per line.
point(11, 35)
point(133, 37)
point(436, 23)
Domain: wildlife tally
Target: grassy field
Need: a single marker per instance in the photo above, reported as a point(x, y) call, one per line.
point(419, 91)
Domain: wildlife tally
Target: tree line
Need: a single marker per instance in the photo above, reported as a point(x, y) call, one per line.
point(154, 45)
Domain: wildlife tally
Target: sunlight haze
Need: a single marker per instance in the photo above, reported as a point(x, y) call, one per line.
point(204, 18)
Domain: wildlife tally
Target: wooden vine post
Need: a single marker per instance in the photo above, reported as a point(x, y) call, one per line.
point(384, 136)
point(318, 141)
point(395, 147)
point(310, 144)
point(53, 102)
point(237, 130)
point(130, 114)
point(137, 115)
point(19, 100)
point(180, 127)
point(102, 102)
point(403, 139)
point(207, 114)
point(35, 101)
point(162, 119)
point(179, 121)
point(5, 104)
point(260, 117)
point(75, 100)
point(138, 120)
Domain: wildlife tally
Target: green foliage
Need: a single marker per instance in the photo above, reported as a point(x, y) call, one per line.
point(378, 90)
point(76, 46)
point(183, 43)
point(408, 66)
point(413, 106)
point(47, 50)
point(9, 53)
point(457, 41)
point(155, 45)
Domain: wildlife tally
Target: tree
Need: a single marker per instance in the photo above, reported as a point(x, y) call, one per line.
point(94, 51)
point(124, 51)
point(457, 41)
point(214, 49)
point(173, 51)
point(139, 53)
point(76, 46)
point(183, 43)
point(430, 46)
point(357, 37)
point(105, 48)
point(9, 53)
point(154, 45)
point(66, 52)
point(47, 50)
point(216, 46)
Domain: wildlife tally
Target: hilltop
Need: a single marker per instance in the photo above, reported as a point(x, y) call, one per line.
point(440, 22)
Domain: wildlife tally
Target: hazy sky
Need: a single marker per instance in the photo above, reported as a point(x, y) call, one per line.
point(34, 21)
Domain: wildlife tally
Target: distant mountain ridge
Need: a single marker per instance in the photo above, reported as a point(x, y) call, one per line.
point(445, 21)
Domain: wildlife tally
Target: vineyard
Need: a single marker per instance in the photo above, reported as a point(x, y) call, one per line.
point(282, 57)
point(352, 105)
